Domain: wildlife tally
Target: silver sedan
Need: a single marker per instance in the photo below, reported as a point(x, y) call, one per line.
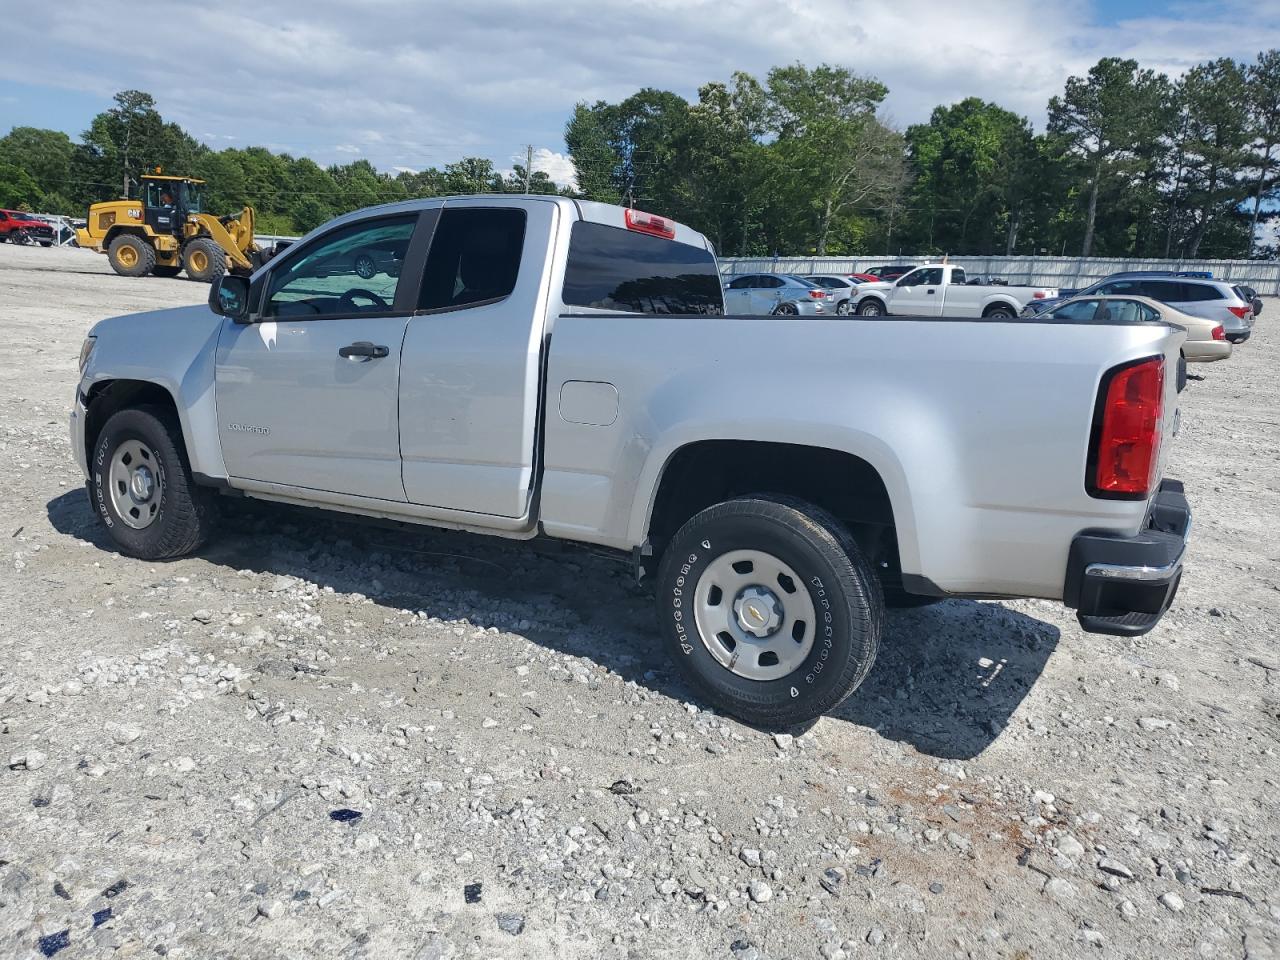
point(775, 294)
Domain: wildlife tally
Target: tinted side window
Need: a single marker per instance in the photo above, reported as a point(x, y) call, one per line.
point(615, 269)
point(770, 283)
point(742, 283)
point(1192, 292)
point(352, 270)
point(475, 258)
point(958, 275)
point(1080, 311)
point(1122, 287)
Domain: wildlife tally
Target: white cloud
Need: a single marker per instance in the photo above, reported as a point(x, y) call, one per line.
point(557, 166)
point(325, 78)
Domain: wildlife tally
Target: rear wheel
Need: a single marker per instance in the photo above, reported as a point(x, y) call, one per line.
point(131, 256)
point(871, 308)
point(770, 609)
point(1000, 313)
point(204, 260)
point(786, 310)
point(844, 308)
point(365, 268)
point(46, 243)
point(141, 487)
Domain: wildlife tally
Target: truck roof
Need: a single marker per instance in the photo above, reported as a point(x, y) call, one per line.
point(605, 213)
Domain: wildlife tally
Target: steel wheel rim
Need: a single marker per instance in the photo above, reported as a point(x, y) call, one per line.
point(134, 484)
point(754, 615)
point(843, 309)
point(199, 261)
point(870, 310)
point(128, 256)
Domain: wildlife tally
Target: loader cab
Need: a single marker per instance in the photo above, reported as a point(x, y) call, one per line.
point(166, 201)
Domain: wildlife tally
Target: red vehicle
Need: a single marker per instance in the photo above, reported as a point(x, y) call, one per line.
point(864, 277)
point(19, 227)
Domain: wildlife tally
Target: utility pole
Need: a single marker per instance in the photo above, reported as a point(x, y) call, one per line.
point(528, 165)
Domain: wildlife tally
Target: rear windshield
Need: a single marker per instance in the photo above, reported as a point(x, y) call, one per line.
point(615, 269)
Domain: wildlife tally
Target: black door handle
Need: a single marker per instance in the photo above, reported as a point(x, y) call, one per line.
point(930, 293)
point(364, 350)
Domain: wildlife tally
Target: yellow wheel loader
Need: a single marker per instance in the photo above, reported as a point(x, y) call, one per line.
point(166, 231)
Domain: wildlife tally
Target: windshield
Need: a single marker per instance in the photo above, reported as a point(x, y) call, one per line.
point(192, 196)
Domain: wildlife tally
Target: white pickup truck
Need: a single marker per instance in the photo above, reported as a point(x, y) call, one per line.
point(544, 367)
point(941, 290)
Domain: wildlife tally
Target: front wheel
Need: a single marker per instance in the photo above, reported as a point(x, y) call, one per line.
point(204, 260)
point(871, 308)
point(770, 609)
point(141, 486)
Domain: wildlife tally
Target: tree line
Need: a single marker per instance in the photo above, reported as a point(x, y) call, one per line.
point(1131, 163)
point(47, 171)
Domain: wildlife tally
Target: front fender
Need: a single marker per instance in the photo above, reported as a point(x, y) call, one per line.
point(174, 349)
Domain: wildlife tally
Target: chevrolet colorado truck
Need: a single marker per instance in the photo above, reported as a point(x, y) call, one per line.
point(942, 290)
point(546, 367)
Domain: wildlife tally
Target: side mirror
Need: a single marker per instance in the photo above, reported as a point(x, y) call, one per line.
point(229, 297)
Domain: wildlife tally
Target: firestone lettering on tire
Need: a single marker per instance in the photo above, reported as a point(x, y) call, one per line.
point(677, 602)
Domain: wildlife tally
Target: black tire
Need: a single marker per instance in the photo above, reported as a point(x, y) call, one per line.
point(204, 260)
point(831, 568)
point(46, 243)
point(786, 310)
point(871, 308)
point(185, 514)
point(1000, 313)
point(131, 256)
point(167, 271)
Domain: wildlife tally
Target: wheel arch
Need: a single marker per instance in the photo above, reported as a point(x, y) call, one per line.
point(705, 471)
point(108, 395)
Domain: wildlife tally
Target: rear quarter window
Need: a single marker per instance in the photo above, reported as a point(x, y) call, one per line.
point(614, 269)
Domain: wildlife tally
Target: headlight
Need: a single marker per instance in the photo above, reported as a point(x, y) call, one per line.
point(86, 348)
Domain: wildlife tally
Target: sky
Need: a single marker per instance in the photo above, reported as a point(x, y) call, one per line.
point(409, 84)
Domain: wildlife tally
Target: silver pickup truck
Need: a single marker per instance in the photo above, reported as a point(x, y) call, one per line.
point(545, 367)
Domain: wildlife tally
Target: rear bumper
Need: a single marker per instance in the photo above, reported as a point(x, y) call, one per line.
point(1206, 351)
point(1122, 586)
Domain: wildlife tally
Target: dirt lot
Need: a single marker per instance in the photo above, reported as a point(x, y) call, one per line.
point(326, 739)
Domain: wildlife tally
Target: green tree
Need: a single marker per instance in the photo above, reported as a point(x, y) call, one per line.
point(1218, 135)
point(1262, 88)
point(44, 154)
point(971, 163)
point(17, 187)
point(1102, 119)
point(835, 155)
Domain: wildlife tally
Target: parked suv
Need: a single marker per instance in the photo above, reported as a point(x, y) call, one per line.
point(19, 227)
point(1210, 299)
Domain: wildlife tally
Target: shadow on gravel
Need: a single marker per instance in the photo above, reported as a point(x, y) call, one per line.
point(947, 680)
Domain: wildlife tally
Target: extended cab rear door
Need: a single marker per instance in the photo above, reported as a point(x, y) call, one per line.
point(469, 377)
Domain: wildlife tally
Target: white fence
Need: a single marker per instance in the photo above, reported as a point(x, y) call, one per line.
point(1070, 272)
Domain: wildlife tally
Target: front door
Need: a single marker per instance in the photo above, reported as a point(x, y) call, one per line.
point(307, 396)
point(766, 295)
point(919, 293)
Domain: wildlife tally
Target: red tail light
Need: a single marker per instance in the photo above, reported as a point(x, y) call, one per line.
point(643, 222)
point(1038, 295)
point(1125, 449)
point(1218, 333)
point(817, 294)
point(1241, 312)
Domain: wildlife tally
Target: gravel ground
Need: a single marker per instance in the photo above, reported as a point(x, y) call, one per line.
point(331, 739)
